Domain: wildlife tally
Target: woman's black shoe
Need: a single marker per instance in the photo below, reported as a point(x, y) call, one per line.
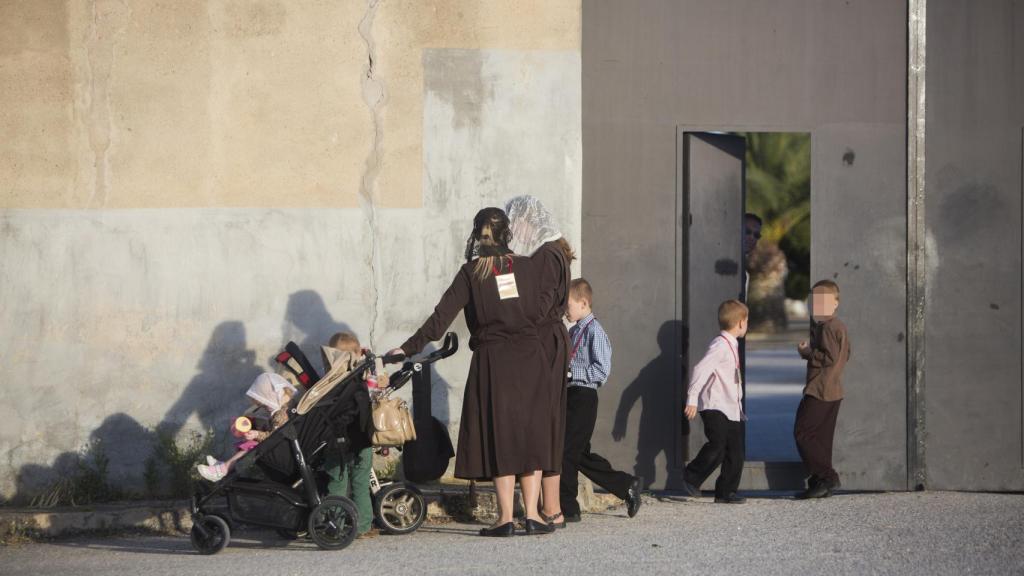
point(533, 527)
point(502, 531)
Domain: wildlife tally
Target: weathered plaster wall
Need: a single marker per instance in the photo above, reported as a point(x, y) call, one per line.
point(186, 186)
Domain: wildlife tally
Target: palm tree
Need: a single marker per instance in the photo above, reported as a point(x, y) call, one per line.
point(779, 191)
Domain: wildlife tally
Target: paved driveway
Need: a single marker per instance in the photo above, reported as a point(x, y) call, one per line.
point(908, 533)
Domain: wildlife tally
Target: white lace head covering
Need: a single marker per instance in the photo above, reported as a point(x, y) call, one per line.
point(269, 390)
point(531, 223)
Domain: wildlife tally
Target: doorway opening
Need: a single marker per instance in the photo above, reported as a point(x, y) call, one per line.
point(777, 254)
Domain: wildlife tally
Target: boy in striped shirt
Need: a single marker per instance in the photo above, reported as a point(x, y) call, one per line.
point(590, 363)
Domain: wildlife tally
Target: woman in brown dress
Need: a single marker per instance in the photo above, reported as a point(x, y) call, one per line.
point(535, 233)
point(503, 434)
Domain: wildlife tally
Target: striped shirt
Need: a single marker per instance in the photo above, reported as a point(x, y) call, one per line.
point(591, 354)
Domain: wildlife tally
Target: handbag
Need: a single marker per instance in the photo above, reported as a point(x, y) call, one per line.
point(392, 422)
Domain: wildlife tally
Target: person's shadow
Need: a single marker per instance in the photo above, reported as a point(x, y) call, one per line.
point(661, 411)
point(217, 393)
point(308, 323)
point(120, 442)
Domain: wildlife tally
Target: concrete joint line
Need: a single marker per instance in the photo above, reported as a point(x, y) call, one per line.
point(374, 97)
point(916, 242)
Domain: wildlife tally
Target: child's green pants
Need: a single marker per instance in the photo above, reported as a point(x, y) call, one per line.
point(353, 472)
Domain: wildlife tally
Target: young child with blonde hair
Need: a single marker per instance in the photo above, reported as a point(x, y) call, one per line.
point(716, 392)
point(270, 392)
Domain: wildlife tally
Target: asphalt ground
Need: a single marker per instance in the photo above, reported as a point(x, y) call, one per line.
point(930, 533)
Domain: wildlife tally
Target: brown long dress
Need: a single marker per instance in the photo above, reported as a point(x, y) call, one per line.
point(503, 430)
point(553, 268)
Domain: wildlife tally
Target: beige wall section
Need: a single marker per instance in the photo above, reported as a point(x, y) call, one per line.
point(403, 29)
point(233, 103)
point(36, 93)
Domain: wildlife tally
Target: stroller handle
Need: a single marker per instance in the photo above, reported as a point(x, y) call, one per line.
point(400, 378)
point(450, 346)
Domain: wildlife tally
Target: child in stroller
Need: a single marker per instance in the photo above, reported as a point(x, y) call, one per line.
point(269, 392)
point(276, 485)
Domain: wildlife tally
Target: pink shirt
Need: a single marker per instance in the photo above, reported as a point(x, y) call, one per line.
point(713, 384)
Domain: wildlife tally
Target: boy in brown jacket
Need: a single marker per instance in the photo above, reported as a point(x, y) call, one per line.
point(826, 356)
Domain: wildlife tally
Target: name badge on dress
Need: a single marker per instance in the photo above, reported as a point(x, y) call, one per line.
point(507, 286)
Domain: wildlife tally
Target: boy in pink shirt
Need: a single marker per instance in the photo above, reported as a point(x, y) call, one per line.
point(716, 391)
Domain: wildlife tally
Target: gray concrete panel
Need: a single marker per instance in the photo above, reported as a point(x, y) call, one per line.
point(746, 65)
point(975, 111)
point(858, 239)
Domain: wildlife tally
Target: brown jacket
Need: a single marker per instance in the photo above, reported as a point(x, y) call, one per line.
point(829, 353)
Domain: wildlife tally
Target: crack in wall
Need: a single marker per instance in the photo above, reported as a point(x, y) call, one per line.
point(374, 96)
point(108, 22)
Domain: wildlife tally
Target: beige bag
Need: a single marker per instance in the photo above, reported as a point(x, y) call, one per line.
point(392, 422)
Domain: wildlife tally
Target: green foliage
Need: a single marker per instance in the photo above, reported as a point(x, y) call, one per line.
point(171, 469)
point(386, 469)
point(797, 247)
point(85, 483)
point(779, 191)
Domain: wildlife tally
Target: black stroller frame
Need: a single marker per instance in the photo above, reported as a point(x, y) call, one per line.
point(277, 485)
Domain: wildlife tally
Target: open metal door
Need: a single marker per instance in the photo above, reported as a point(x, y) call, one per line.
point(712, 175)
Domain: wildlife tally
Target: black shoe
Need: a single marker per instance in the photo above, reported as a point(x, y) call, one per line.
point(819, 490)
point(534, 528)
point(573, 517)
point(633, 499)
point(691, 490)
point(502, 531)
point(730, 499)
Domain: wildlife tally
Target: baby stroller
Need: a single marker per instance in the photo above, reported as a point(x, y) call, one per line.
point(276, 484)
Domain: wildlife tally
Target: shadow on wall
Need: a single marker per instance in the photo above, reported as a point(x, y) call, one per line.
point(217, 392)
point(653, 388)
point(113, 463)
point(308, 323)
point(124, 443)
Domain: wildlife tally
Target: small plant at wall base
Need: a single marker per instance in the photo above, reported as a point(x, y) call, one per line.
point(171, 469)
point(385, 468)
point(85, 483)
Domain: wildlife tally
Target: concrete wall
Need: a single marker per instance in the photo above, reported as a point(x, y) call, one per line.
point(186, 186)
point(833, 68)
point(974, 150)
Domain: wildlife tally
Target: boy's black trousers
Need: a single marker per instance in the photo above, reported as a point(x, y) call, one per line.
point(580, 417)
point(813, 431)
point(726, 446)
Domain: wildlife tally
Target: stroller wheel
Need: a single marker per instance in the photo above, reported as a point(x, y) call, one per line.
point(332, 524)
point(210, 534)
point(400, 509)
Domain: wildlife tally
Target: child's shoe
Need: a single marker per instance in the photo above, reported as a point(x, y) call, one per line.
point(213, 473)
point(211, 461)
